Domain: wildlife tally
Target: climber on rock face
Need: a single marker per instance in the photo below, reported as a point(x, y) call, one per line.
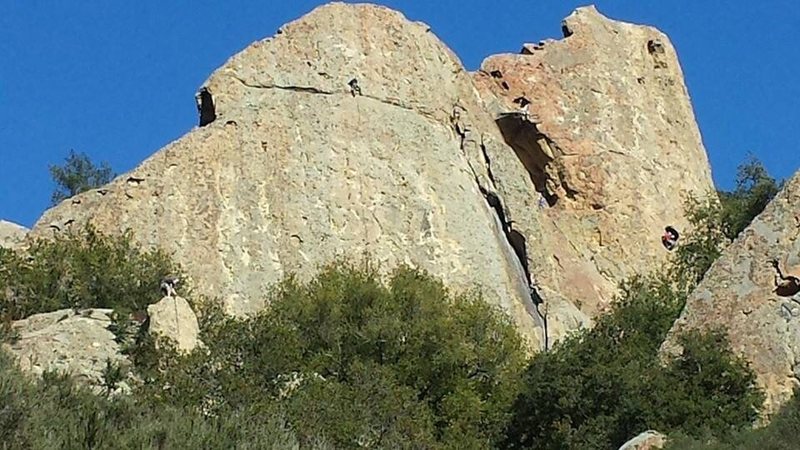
point(670, 238)
point(788, 284)
point(524, 104)
point(169, 285)
point(354, 87)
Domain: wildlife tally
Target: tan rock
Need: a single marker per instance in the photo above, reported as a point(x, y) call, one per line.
point(649, 440)
point(67, 342)
point(173, 318)
point(610, 142)
point(739, 294)
point(296, 170)
point(11, 234)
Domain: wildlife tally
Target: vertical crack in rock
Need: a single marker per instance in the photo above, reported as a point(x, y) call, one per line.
point(539, 155)
point(515, 240)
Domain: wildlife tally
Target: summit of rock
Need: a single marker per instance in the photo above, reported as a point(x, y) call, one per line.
point(610, 141)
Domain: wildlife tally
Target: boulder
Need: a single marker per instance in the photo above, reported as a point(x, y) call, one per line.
point(66, 341)
point(649, 440)
point(11, 234)
point(739, 294)
point(172, 318)
point(610, 146)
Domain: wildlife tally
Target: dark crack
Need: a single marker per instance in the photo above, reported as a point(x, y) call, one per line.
point(514, 238)
point(317, 91)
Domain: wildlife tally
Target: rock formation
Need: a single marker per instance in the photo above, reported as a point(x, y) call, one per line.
point(373, 139)
point(172, 318)
point(66, 341)
point(11, 234)
point(611, 144)
point(297, 169)
point(739, 294)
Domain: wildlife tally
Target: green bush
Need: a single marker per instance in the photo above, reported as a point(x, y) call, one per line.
point(600, 387)
point(780, 434)
point(717, 220)
point(83, 269)
point(78, 174)
point(407, 365)
point(755, 188)
point(54, 413)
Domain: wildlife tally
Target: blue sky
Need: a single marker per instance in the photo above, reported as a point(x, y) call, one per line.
point(116, 79)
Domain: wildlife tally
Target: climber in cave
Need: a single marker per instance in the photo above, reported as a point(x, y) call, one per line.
point(670, 238)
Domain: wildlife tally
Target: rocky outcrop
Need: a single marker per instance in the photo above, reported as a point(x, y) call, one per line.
point(295, 165)
point(172, 318)
point(11, 235)
point(373, 140)
point(739, 295)
point(610, 144)
point(649, 440)
point(76, 343)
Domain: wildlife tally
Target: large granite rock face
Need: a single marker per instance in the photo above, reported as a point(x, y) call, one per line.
point(298, 167)
point(354, 131)
point(65, 341)
point(11, 235)
point(611, 143)
point(739, 294)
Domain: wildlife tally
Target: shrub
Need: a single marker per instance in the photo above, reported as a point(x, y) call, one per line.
point(780, 434)
point(55, 413)
point(599, 387)
point(717, 220)
point(755, 188)
point(84, 269)
point(403, 365)
point(78, 174)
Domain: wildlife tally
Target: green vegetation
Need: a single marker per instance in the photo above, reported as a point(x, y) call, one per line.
point(755, 188)
point(717, 220)
point(780, 434)
point(78, 174)
point(406, 365)
point(603, 386)
point(84, 269)
point(54, 413)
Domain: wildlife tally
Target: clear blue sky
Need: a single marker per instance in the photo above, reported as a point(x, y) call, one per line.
point(116, 79)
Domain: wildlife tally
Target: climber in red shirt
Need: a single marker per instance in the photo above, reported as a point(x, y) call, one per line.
point(670, 238)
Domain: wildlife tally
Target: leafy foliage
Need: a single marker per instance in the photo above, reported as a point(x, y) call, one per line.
point(78, 174)
point(54, 413)
point(755, 188)
point(716, 221)
point(702, 245)
point(780, 434)
point(602, 386)
point(406, 365)
point(84, 269)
